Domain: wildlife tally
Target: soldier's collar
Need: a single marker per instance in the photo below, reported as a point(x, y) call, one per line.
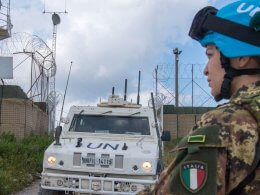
point(247, 90)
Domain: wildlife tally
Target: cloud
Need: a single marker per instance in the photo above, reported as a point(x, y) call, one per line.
point(108, 40)
point(112, 40)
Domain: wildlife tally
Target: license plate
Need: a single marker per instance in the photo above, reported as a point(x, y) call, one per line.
point(97, 161)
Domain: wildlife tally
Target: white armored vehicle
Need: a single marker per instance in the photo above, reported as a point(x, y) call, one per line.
point(114, 148)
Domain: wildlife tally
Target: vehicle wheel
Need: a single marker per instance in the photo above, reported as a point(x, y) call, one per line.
point(160, 167)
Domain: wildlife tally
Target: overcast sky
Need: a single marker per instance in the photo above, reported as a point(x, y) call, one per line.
point(111, 40)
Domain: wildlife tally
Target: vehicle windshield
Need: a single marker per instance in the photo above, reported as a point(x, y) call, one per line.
point(110, 124)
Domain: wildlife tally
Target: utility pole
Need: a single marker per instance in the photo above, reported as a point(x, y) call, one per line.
point(192, 87)
point(176, 52)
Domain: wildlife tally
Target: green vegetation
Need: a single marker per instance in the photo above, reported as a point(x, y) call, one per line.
point(168, 146)
point(20, 160)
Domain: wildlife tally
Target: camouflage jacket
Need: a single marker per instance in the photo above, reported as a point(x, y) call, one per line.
point(235, 142)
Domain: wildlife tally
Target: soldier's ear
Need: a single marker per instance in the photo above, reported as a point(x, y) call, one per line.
point(240, 62)
point(243, 62)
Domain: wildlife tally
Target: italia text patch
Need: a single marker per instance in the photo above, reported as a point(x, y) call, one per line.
point(193, 175)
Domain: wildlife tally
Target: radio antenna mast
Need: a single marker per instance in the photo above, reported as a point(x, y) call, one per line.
point(52, 72)
point(65, 93)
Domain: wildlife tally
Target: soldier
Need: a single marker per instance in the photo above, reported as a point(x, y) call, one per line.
point(221, 154)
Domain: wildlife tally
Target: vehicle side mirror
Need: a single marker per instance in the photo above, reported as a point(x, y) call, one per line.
point(166, 136)
point(57, 134)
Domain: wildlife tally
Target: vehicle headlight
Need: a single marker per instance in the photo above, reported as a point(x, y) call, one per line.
point(147, 166)
point(51, 160)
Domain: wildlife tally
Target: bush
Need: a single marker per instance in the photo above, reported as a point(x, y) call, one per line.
point(7, 137)
point(20, 160)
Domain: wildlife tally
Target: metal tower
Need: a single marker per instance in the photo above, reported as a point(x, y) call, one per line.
point(52, 97)
point(52, 91)
point(5, 20)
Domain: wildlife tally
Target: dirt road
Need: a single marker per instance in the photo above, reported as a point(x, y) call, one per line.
point(30, 190)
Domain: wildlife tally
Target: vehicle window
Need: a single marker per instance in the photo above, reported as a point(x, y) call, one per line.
point(110, 124)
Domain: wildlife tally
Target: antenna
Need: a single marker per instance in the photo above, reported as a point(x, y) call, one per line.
point(125, 89)
point(65, 11)
point(65, 93)
point(113, 91)
point(43, 7)
point(138, 96)
point(58, 12)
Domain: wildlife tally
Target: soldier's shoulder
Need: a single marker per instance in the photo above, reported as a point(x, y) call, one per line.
point(226, 114)
point(220, 110)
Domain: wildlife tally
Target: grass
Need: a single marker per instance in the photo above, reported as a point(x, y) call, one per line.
point(20, 160)
point(168, 146)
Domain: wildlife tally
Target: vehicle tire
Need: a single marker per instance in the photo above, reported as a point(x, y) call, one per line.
point(160, 167)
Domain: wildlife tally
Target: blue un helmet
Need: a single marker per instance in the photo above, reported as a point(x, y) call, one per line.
point(235, 30)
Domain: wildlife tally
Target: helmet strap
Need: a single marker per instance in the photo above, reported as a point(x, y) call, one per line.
point(228, 77)
point(225, 87)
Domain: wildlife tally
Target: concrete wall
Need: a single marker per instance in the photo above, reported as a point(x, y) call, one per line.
point(21, 117)
point(185, 123)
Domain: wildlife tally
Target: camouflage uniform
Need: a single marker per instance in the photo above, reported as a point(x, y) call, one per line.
point(236, 124)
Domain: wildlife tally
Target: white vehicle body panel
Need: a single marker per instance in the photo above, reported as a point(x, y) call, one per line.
point(103, 163)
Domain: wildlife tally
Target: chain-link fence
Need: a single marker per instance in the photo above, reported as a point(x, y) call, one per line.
point(193, 86)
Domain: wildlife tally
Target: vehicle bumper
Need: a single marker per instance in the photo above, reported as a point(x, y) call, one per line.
point(93, 185)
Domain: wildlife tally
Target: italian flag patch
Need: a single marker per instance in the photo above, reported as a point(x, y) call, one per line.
point(193, 175)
